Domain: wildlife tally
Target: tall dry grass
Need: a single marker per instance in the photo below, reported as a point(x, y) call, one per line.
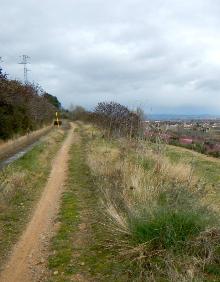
point(156, 211)
point(10, 146)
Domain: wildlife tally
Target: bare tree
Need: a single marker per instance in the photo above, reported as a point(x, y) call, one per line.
point(117, 119)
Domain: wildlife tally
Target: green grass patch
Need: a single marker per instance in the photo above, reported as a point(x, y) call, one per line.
point(148, 164)
point(203, 166)
point(166, 229)
point(62, 244)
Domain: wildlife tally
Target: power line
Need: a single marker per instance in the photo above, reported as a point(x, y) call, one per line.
point(24, 62)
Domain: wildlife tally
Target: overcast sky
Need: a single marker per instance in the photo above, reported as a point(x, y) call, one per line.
point(163, 55)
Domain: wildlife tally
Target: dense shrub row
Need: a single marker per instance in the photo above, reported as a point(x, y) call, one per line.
point(114, 118)
point(22, 107)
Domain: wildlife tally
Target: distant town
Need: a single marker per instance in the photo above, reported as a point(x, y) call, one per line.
point(199, 134)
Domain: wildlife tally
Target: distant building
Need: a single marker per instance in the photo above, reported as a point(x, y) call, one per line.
point(185, 140)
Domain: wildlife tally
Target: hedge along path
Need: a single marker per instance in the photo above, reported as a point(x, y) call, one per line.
point(28, 259)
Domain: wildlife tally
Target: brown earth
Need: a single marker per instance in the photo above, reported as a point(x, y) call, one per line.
point(28, 259)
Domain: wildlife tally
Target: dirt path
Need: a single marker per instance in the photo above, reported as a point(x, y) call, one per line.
point(27, 262)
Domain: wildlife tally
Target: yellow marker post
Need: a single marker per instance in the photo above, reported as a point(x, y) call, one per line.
point(57, 119)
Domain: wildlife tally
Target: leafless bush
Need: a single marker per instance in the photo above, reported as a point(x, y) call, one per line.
point(117, 119)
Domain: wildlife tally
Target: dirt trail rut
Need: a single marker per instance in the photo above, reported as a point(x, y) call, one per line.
point(27, 262)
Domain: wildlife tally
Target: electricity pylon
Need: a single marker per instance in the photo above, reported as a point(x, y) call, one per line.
point(24, 62)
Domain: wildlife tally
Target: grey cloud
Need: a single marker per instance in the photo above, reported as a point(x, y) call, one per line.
point(209, 85)
point(161, 54)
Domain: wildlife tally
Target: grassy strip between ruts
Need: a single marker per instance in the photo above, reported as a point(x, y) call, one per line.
point(77, 252)
point(21, 185)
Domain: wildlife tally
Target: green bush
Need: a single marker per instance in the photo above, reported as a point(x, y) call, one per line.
point(22, 107)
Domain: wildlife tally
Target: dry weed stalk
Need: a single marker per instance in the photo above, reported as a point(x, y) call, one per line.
point(11, 183)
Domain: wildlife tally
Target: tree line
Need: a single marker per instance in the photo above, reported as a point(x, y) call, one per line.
point(114, 118)
point(23, 107)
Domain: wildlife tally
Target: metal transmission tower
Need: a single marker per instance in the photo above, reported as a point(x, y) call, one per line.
point(24, 62)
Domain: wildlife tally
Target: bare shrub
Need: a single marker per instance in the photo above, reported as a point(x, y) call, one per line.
point(117, 119)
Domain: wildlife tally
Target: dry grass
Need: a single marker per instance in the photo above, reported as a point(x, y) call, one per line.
point(11, 184)
point(101, 158)
point(146, 196)
point(13, 179)
point(14, 144)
